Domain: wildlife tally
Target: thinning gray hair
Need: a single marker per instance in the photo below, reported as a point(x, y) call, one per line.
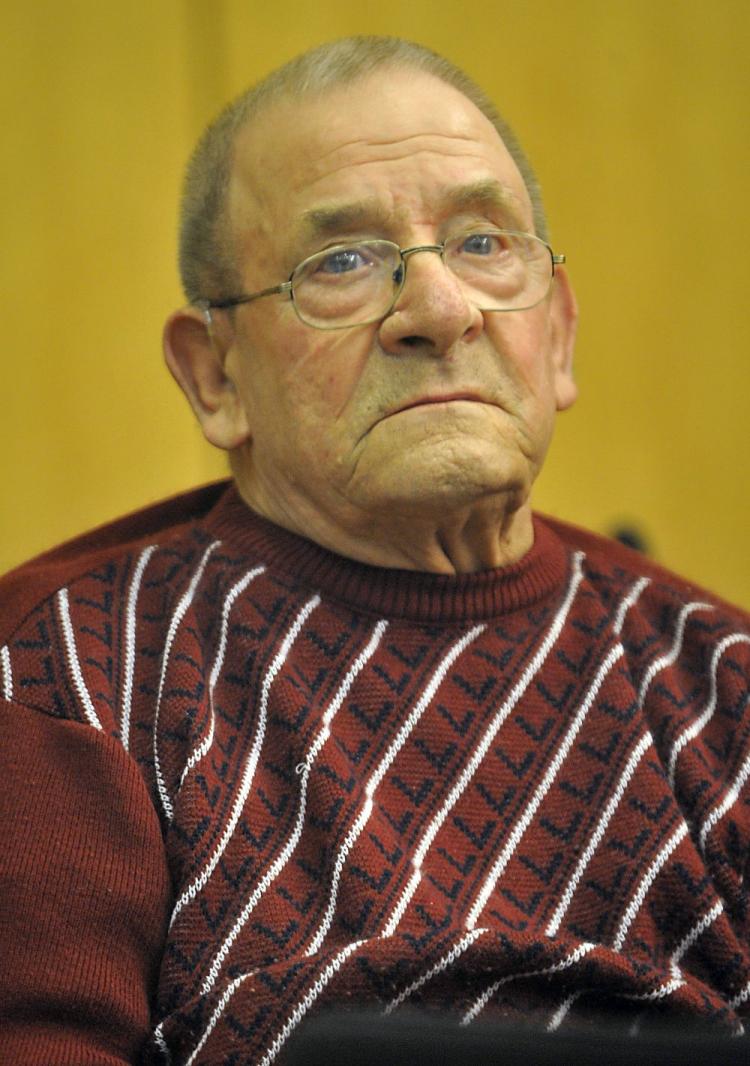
point(208, 264)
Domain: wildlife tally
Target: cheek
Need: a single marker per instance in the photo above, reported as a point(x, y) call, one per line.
point(301, 389)
point(522, 341)
point(324, 371)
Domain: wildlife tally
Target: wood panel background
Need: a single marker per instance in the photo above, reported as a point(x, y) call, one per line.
point(635, 113)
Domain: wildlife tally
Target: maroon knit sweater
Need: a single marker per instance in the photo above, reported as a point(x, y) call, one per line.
point(243, 778)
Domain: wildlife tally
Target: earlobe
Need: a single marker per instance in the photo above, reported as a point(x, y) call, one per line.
point(563, 328)
point(196, 356)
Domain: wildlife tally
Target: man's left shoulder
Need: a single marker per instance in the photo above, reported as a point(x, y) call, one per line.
point(610, 562)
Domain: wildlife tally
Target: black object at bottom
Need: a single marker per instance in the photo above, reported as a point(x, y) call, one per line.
point(411, 1038)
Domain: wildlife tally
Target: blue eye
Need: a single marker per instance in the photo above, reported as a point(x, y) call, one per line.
point(342, 262)
point(484, 244)
point(478, 244)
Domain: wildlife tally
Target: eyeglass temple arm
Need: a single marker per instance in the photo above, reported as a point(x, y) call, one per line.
point(234, 301)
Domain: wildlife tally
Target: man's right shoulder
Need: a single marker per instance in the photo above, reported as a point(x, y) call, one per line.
point(24, 588)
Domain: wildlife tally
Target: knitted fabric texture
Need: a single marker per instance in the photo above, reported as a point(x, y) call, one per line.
point(244, 779)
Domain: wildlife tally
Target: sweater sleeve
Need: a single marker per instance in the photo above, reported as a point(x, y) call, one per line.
point(84, 895)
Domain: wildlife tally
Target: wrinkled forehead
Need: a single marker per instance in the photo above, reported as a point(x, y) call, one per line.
point(403, 125)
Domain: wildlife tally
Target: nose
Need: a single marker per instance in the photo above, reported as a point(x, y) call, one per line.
point(431, 313)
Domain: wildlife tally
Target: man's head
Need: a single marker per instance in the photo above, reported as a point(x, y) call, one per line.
point(208, 262)
point(412, 440)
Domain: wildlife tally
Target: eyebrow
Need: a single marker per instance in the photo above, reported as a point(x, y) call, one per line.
point(487, 193)
point(328, 221)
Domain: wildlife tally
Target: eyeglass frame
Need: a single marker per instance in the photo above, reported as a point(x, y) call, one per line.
point(206, 305)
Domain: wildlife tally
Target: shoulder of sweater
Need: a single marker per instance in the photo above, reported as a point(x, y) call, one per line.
point(30, 584)
point(614, 557)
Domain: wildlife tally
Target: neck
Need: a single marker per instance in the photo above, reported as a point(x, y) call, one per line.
point(495, 531)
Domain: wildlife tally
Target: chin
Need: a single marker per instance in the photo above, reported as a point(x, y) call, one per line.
point(445, 490)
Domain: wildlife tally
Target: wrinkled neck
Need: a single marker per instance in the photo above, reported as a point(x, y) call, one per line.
point(395, 592)
point(490, 533)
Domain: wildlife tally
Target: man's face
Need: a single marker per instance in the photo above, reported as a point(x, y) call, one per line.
point(437, 406)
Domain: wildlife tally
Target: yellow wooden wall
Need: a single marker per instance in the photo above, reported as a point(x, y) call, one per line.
point(636, 115)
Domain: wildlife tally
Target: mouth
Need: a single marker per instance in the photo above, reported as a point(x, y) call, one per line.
point(427, 401)
point(433, 400)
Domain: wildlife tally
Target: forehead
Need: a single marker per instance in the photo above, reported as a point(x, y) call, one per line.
point(402, 143)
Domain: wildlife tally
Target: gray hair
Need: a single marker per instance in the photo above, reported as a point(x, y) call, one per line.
point(207, 260)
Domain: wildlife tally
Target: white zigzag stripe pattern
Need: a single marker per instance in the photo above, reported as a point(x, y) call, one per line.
point(174, 625)
point(643, 745)
point(671, 655)
point(481, 1002)
point(635, 758)
point(130, 626)
point(598, 834)
point(651, 874)
point(219, 1009)
point(641, 748)
point(234, 593)
point(559, 1015)
point(657, 993)
point(440, 966)
point(7, 672)
point(158, 1038)
point(191, 892)
point(484, 745)
point(663, 990)
point(628, 602)
point(297, 1014)
point(282, 859)
point(692, 937)
point(554, 768)
point(636, 997)
point(726, 804)
point(375, 779)
point(700, 723)
point(646, 882)
point(75, 667)
point(677, 980)
point(658, 664)
point(304, 1004)
point(741, 997)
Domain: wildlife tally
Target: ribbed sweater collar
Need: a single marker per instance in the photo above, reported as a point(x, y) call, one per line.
point(408, 594)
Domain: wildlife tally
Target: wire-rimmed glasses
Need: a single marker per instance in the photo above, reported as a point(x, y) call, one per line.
point(358, 283)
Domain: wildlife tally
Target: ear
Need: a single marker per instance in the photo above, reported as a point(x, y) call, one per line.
point(563, 328)
point(195, 352)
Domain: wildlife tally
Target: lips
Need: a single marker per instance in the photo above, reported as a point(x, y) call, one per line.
point(424, 401)
point(432, 399)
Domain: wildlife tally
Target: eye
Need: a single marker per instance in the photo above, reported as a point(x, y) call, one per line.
point(348, 264)
point(484, 244)
point(342, 261)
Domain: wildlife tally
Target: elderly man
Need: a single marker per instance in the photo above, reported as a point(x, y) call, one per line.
point(359, 727)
